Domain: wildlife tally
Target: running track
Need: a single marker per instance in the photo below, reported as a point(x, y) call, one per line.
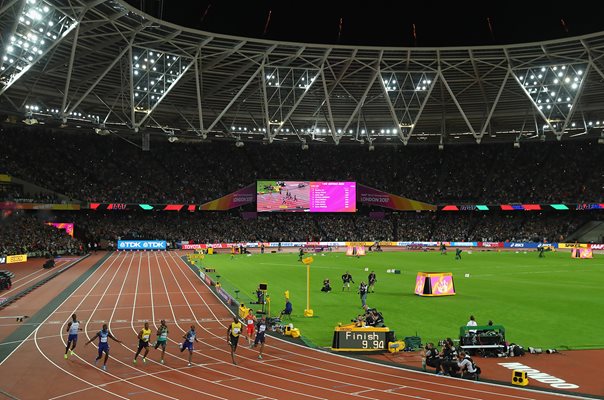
point(27, 275)
point(119, 293)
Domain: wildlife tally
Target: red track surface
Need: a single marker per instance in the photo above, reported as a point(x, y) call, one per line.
point(34, 301)
point(575, 367)
point(133, 287)
point(29, 273)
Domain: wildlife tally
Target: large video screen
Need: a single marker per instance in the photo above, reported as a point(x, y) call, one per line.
point(306, 196)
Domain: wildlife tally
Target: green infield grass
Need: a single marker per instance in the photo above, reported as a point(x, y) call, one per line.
point(550, 302)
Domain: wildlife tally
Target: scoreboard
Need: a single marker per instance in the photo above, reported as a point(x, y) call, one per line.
point(352, 338)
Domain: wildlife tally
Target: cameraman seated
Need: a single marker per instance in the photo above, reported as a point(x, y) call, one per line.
point(49, 263)
point(448, 356)
point(467, 368)
point(326, 286)
point(375, 318)
point(431, 358)
point(287, 310)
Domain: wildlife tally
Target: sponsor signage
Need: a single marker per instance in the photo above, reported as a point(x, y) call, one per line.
point(464, 244)
point(524, 245)
point(2, 260)
point(574, 245)
point(18, 258)
point(374, 197)
point(490, 244)
point(236, 199)
point(225, 296)
point(597, 246)
point(141, 245)
point(193, 246)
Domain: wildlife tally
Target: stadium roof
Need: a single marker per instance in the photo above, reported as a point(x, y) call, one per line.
point(379, 22)
point(106, 65)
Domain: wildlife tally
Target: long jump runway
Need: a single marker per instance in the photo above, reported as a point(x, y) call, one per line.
point(130, 288)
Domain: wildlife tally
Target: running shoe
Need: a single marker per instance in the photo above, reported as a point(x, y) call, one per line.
point(161, 361)
point(96, 361)
point(134, 361)
point(259, 357)
point(189, 364)
point(72, 353)
point(144, 360)
point(104, 367)
point(65, 356)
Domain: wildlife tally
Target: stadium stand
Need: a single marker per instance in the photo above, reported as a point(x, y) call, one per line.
point(88, 167)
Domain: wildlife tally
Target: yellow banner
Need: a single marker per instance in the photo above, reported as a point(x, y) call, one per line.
point(360, 243)
point(5, 178)
point(572, 245)
point(16, 258)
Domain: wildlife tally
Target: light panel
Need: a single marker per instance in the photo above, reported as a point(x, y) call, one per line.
point(154, 74)
point(39, 26)
point(407, 91)
point(553, 89)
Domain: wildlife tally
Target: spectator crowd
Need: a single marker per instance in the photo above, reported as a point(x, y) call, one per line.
point(25, 233)
point(229, 227)
point(89, 167)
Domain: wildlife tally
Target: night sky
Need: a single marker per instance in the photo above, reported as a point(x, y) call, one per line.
point(383, 23)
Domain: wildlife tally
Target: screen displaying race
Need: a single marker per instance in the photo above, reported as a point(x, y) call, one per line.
point(305, 196)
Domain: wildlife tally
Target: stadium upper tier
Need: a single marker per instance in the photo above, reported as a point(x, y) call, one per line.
point(89, 167)
point(104, 65)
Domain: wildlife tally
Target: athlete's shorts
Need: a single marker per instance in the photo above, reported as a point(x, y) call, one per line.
point(250, 330)
point(259, 338)
point(72, 337)
point(103, 348)
point(233, 341)
point(161, 343)
point(142, 344)
point(187, 345)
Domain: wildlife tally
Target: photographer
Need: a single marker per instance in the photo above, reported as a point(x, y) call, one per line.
point(326, 286)
point(448, 356)
point(431, 358)
point(467, 368)
point(260, 295)
point(376, 318)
